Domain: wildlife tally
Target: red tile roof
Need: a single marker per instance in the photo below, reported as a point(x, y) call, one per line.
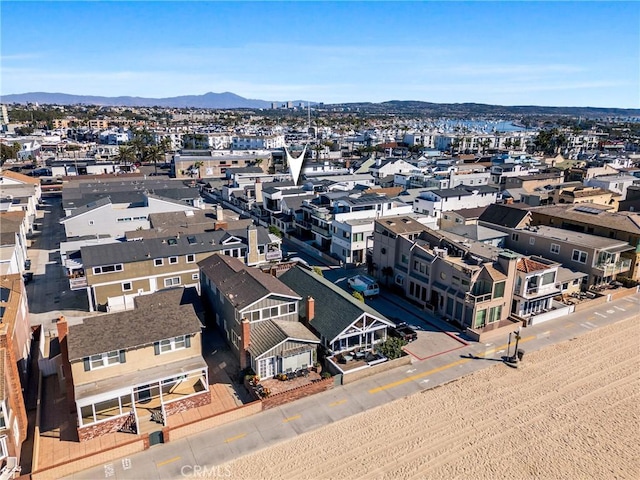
point(527, 265)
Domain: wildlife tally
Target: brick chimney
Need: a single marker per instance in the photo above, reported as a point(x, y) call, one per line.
point(63, 330)
point(245, 341)
point(311, 309)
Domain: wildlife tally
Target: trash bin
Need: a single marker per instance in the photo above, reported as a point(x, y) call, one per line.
point(520, 354)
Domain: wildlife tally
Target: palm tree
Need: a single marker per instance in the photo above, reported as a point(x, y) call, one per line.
point(508, 143)
point(154, 154)
point(386, 273)
point(126, 154)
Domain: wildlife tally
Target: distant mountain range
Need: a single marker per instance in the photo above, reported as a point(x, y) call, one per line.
point(208, 100)
point(228, 100)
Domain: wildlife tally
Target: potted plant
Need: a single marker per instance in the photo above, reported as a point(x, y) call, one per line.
point(317, 367)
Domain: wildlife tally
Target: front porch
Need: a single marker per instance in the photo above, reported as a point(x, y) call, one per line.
point(144, 407)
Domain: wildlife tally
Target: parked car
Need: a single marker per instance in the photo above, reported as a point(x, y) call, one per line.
point(367, 286)
point(404, 331)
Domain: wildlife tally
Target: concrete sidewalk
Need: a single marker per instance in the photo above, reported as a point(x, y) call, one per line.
point(265, 429)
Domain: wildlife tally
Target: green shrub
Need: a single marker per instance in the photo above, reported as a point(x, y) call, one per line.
point(391, 347)
point(275, 230)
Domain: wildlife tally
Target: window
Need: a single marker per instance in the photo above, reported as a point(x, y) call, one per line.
point(235, 339)
point(173, 260)
point(532, 240)
point(107, 269)
point(498, 290)
point(404, 259)
point(171, 282)
point(171, 344)
point(555, 249)
point(191, 258)
point(127, 287)
point(579, 256)
point(515, 237)
point(91, 222)
point(195, 276)
point(3, 421)
point(102, 360)
point(158, 262)
point(548, 278)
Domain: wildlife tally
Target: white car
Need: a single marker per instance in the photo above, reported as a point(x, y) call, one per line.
point(367, 286)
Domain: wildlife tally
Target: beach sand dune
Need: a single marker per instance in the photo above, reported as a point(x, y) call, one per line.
point(571, 411)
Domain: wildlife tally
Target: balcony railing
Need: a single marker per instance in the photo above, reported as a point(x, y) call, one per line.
point(78, 283)
point(471, 298)
point(322, 231)
point(613, 268)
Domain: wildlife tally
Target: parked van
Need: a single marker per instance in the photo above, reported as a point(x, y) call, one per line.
point(367, 286)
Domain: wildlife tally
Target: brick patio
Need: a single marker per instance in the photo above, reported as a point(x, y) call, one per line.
point(280, 386)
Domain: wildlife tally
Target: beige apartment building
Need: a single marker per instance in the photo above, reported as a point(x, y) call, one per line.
point(466, 282)
point(115, 273)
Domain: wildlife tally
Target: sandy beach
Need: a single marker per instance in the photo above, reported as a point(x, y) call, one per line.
point(571, 411)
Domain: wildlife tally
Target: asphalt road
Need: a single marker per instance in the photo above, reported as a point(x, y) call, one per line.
point(49, 293)
point(209, 449)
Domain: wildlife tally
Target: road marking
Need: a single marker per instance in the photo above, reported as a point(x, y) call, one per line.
point(341, 280)
point(500, 351)
point(291, 419)
point(237, 437)
point(611, 311)
point(412, 370)
point(338, 402)
point(568, 325)
point(600, 314)
point(166, 462)
point(418, 376)
point(543, 334)
point(619, 308)
point(592, 325)
point(585, 326)
point(426, 380)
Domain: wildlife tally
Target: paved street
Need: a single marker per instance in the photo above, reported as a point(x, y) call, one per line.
point(214, 447)
point(49, 294)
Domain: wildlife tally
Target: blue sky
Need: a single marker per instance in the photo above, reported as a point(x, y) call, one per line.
point(508, 53)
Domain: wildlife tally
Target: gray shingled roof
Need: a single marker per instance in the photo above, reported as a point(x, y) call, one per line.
point(267, 334)
point(162, 247)
point(503, 215)
point(335, 309)
point(162, 315)
point(242, 285)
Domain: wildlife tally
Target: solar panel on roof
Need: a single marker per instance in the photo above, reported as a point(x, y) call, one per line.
point(587, 210)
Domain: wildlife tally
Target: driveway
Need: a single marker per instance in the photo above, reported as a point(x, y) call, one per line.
point(48, 293)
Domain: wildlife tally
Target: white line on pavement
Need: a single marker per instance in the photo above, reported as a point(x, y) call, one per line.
point(600, 314)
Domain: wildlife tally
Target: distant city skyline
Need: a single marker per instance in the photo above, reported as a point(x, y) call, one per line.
point(505, 53)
